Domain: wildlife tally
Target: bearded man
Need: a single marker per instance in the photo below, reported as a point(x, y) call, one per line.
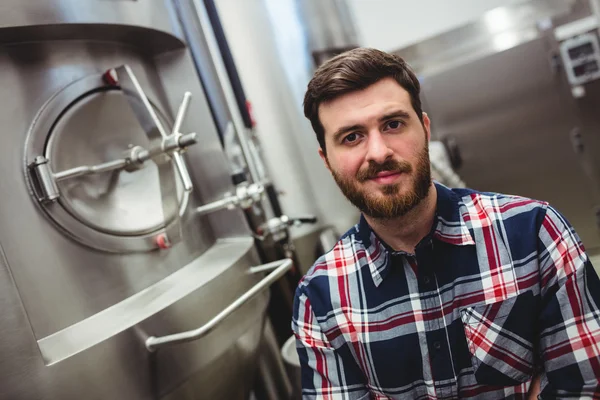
point(436, 293)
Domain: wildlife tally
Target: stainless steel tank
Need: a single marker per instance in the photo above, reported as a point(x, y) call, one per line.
point(107, 272)
point(516, 117)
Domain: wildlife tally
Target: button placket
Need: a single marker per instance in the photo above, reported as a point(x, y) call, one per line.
point(440, 352)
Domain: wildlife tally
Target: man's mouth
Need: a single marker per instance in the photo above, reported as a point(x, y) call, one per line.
point(386, 177)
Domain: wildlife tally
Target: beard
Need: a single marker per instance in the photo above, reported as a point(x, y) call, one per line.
point(392, 204)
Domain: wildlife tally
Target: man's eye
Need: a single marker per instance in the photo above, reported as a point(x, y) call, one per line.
point(394, 124)
point(350, 138)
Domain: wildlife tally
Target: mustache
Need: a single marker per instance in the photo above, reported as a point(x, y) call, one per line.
point(387, 166)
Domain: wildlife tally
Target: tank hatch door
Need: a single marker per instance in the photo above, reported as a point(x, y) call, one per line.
point(108, 171)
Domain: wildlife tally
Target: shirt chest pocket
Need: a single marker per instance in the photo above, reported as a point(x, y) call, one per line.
point(500, 337)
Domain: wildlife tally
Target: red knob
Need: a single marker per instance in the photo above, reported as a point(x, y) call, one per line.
point(162, 241)
point(110, 77)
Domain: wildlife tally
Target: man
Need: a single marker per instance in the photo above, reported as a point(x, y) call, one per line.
point(435, 293)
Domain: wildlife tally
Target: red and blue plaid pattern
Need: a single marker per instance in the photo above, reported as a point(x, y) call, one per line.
point(501, 290)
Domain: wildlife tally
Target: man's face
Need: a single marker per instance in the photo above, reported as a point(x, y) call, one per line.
point(377, 149)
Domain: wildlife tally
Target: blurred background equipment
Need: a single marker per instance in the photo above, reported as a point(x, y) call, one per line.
point(516, 92)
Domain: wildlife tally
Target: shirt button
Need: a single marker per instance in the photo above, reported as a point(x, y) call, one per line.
point(426, 280)
point(437, 345)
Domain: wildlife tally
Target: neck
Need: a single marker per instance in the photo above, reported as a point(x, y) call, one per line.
point(405, 232)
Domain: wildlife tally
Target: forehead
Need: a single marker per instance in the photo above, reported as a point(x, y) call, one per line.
point(360, 107)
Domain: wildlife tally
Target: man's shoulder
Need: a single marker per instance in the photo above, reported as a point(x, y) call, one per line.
point(483, 204)
point(513, 219)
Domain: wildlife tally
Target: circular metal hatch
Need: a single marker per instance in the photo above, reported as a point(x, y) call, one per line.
point(88, 124)
point(100, 127)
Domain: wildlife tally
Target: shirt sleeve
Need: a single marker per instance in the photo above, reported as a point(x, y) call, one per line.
point(325, 374)
point(569, 344)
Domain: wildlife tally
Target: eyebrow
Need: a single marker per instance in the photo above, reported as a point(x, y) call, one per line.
point(345, 129)
point(395, 114)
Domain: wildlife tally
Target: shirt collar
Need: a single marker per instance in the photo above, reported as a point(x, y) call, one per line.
point(450, 224)
point(450, 227)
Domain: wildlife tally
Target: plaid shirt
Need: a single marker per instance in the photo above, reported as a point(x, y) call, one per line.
point(500, 290)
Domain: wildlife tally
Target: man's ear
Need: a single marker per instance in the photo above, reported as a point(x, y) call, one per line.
point(324, 158)
point(427, 125)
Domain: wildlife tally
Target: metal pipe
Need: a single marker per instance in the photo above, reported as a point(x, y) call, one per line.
point(215, 206)
point(182, 171)
point(228, 62)
point(245, 196)
point(153, 343)
point(223, 77)
point(94, 169)
point(188, 139)
point(264, 267)
point(181, 112)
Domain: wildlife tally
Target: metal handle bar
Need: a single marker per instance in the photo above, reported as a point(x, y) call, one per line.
point(142, 156)
point(89, 170)
point(279, 267)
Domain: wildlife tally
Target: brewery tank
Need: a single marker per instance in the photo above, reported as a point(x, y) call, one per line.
point(109, 149)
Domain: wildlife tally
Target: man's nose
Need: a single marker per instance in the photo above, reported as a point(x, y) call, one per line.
point(377, 148)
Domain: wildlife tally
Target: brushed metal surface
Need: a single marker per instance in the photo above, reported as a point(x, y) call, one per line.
point(511, 117)
point(497, 30)
point(145, 303)
point(147, 25)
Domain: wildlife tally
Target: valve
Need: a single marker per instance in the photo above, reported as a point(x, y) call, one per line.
point(246, 195)
point(174, 143)
point(277, 227)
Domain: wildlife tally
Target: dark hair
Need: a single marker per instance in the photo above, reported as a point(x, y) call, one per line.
point(355, 70)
